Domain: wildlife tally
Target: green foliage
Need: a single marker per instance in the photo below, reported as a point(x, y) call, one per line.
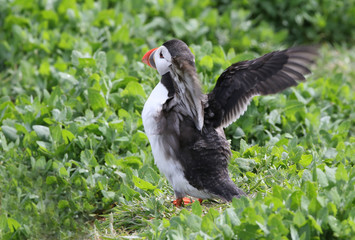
point(309, 20)
point(72, 145)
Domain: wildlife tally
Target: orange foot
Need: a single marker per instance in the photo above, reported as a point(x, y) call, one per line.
point(184, 201)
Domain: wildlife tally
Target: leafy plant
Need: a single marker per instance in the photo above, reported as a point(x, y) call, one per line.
point(309, 21)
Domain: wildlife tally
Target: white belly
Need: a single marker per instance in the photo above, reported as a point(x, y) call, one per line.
point(165, 161)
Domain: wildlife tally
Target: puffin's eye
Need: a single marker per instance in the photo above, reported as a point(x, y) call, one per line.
point(161, 55)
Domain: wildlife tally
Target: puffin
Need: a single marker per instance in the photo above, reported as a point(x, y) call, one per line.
point(185, 127)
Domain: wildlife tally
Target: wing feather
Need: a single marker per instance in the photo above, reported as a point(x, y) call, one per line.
point(268, 74)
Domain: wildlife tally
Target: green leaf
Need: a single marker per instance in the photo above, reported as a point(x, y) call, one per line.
point(96, 100)
point(40, 163)
point(75, 55)
point(298, 219)
point(42, 132)
point(3, 221)
point(44, 69)
point(50, 15)
point(206, 62)
point(233, 217)
point(66, 41)
point(51, 180)
point(306, 160)
point(341, 173)
point(330, 172)
point(315, 224)
point(104, 17)
point(56, 133)
point(128, 192)
point(16, 20)
point(65, 5)
point(196, 208)
point(305, 203)
point(293, 107)
point(108, 194)
point(334, 224)
point(63, 172)
point(334, 195)
point(207, 224)
point(88, 158)
point(178, 26)
point(243, 146)
point(307, 175)
point(194, 222)
point(45, 146)
point(86, 62)
point(13, 224)
point(344, 127)
point(295, 199)
point(144, 185)
point(322, 178)
point(63, 204)
point(133, 88)
point(121, 35)
point(110, 159)
point(101, 62)
point(10, 132)
point(67, 136)
point(131, 161)
point(294, 233)
point(20, 128)
point(275, 222)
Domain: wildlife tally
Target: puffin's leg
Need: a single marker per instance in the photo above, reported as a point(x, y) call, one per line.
point(200, 200)
point(177, 202)
point(182, 201)
point(179, 196)
point(187, 200)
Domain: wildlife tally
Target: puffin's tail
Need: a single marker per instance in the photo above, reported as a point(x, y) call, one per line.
point(227, 190)
point(234, 192)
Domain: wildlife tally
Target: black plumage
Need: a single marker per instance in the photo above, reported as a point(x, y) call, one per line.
point(190, 124)
point(268, 74)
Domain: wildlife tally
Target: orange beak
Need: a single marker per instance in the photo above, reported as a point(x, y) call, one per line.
point(147, 58)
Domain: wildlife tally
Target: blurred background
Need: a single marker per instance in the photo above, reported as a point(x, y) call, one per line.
point(38, 37)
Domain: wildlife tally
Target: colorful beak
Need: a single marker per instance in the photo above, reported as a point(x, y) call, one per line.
point(148, 58)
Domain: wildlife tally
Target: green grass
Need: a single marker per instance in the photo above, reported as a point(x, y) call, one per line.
point(75, 162)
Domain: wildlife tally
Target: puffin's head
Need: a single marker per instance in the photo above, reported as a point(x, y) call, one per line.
point(161, 58)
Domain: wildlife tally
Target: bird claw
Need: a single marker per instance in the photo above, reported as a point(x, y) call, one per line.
point(184, 201)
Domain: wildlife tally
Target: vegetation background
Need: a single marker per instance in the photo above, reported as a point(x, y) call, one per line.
point(76, 164)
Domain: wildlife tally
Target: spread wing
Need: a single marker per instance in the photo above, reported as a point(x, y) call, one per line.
point(268, 74)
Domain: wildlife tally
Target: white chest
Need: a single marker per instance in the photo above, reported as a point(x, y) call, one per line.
point(170, 167)
point(151, 116)
point(152, 109)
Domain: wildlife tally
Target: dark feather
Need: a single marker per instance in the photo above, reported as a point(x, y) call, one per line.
point(268, 74)
point(187, 88)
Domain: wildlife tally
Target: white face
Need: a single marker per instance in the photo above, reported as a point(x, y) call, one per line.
point(162, 60)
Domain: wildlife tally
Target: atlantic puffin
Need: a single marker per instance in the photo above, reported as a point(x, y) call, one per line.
point(185, 127)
